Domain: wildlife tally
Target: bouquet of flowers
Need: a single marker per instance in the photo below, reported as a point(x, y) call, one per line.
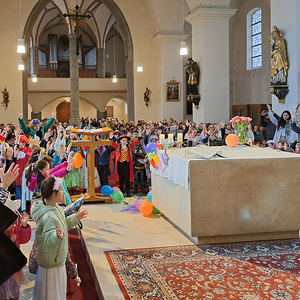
point(241, 125)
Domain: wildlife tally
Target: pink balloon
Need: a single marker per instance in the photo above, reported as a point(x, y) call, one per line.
point(139, 202)
point(115, 188)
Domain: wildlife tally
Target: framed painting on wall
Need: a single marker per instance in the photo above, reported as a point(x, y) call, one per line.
point(173, 91)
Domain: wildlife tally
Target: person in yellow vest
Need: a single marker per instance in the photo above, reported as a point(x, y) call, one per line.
point(124, 165)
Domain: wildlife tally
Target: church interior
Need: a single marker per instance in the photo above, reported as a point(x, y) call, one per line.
point(98, 58)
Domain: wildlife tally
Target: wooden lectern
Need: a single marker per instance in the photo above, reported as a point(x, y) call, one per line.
point(91, 144)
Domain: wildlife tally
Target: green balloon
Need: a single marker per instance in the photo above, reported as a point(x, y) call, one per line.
point(150, 156)
point(155, 211)
point(117, 196)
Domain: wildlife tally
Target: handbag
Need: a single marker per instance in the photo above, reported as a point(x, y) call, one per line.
point(33, 265)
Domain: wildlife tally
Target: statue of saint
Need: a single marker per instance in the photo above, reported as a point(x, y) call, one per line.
point(279, 63)
point(192, 79)
point(192, 75)
point(5, 97)
point(147, 96)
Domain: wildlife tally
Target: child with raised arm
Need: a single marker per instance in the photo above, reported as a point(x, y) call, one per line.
point(51, 240)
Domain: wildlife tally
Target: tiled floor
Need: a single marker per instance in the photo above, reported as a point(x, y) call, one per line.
point(107, 228)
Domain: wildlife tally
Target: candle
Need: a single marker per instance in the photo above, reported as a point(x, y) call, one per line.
point(179, 137)
point(161, 139)
point(170, 138)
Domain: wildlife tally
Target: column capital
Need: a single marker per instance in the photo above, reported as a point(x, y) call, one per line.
point(207, 13)
point(170, 37)
point(194, 4)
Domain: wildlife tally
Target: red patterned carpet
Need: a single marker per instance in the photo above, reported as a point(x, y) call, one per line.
point(257, 270)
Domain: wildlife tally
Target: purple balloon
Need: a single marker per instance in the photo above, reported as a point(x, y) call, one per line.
point(151, 147)
point(139, 202)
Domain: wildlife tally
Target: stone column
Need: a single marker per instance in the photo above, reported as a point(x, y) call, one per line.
point(74, 81)
point(171, 69)
point(35, 59)
point(210, 27)
point(101, 114)
point(100, 62)
point(25, 89)
point(130, 92)
point(37, 115)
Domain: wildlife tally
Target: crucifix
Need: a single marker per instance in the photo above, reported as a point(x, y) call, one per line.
point(77, 18)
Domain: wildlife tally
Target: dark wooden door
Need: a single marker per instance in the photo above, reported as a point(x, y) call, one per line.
point(63, 111)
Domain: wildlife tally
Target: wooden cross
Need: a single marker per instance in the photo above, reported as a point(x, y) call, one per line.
point(77, 18)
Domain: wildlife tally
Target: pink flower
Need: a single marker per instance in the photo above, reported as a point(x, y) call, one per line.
point(244, 119)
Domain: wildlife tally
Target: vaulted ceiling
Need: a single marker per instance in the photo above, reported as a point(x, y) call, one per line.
point(95, 28)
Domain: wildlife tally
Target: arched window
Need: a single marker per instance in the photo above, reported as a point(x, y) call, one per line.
point(254, 20)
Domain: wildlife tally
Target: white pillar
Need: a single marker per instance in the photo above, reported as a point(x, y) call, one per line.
point(285, 15)
point(211, 51)
point(171, 69)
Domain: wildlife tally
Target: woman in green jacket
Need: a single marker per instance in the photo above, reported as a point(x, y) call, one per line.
point(51, 240)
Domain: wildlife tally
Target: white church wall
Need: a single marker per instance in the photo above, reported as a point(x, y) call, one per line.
point(146, 50)
point(10, 77)
point(249, 86)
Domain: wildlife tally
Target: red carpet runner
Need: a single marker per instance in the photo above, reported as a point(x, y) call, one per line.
point(258, 270)
point(87, 288)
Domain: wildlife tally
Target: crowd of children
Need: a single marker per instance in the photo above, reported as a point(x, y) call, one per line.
point(37, 163)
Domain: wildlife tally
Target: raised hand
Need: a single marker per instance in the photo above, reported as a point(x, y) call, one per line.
point(9, 153)
point(24, 219)
point(20, 114)
point(53, 114)
point(70, 164)
point(10, 176)
point(3, 133)
point(293, 116)
point(16, 150)
point(82, 213)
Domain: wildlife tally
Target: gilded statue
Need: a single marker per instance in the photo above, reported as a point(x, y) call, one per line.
point(5, 94)
point(147, 97)
point(192, 76)
point(192, 79)
point(279, 63)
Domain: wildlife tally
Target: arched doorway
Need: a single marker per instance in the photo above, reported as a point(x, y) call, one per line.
point(63, 111)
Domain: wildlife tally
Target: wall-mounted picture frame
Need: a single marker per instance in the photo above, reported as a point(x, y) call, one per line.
point(173, 91)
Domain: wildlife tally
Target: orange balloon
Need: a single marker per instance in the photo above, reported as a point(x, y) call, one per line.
point(146, 209)
point(232, 140)
point(85, 138)
point(77, 160)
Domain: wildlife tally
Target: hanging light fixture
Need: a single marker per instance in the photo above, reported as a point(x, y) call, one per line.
point(183, 48)
point(34, 78)
point(139, 67)
point(115, 75)
point(21, 42)
point(21, 66)
point(21, 46)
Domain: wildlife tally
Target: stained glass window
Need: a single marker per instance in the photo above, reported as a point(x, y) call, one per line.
point(256, 53)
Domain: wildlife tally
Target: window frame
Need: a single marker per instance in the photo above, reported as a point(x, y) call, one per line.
point(249, 39)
